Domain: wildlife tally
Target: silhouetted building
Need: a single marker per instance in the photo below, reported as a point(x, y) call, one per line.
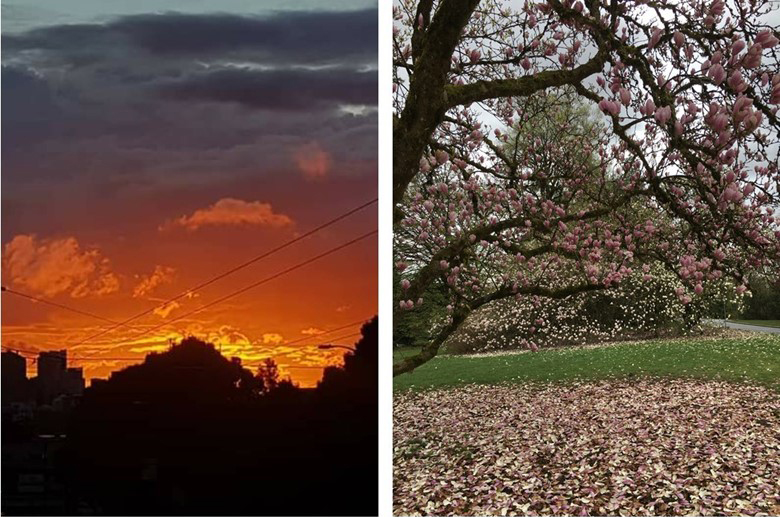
point(55, 378)
point(52, 367)
point(74, 381)
point(97, 381)
point(15, 385)
point(14, 368)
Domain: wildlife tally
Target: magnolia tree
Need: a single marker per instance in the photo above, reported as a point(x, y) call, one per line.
point(683, 172)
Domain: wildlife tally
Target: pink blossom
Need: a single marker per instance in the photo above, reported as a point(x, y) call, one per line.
point(613, 108)
point(649, 107)
point(774, 97)
point(736, 82)
point(442, 157)
point(717, 73)
point(766, 39)
point(717, 8)
point(753, 57)
point(655, 38)
point(663, 114)
point(719, 121)
point(625, 97)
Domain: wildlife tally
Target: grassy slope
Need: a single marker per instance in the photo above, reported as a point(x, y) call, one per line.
point(763, 323)
point(756, 359)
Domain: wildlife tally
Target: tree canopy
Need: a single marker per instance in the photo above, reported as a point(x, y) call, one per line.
point(682, 170)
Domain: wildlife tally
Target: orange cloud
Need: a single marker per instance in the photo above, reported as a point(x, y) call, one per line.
point(312, 160)
point(160, 275)
point(230, 211)
point(55, 266)
point(272, 338)
point(166, 309)
point(312, 331)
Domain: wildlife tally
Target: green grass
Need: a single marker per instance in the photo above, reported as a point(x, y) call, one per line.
point(400, 353)
point(763, 323)
point(751, 359)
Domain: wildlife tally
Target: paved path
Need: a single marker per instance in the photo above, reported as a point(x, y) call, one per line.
point(741, 326)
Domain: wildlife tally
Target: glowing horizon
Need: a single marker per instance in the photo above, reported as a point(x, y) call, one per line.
point(152, 150)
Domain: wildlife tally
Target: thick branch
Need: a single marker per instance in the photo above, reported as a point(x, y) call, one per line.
point(455, 95)
point(430, 350)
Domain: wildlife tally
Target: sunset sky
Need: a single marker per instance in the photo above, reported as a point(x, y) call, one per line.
point(150, 145)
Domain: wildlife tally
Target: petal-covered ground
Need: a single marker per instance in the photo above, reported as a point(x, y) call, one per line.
point(645, 447)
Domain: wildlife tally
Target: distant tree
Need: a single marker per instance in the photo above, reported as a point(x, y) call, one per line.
point(764, 304)
point(268, 374)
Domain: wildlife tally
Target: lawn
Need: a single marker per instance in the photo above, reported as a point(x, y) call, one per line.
point(762, 323)
point(754, 359)
point(665, 427)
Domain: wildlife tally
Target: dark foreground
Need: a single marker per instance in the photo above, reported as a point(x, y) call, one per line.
point(190, 432)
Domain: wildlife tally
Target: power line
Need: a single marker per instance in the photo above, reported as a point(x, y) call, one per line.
point(124, 323)
point(256, 284)
point(58, 305)
point(21, 350)
point(260, 282)
point(313, 344)
point(232, 270)
point(327, 332)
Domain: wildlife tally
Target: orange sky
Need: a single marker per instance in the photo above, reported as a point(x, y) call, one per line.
point(124, 273)
point(155, 147)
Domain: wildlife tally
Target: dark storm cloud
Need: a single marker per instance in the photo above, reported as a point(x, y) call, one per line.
point(29, 109)
point(302, 37)
point(156, 101)
point(298, 89)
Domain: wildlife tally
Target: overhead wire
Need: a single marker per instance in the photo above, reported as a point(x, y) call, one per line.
point(253, 285)
point(117, 324)
point(231, 271)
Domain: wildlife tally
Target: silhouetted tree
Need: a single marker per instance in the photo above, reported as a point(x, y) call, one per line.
point(360, 370)
point(191, 432)
point(268, 374)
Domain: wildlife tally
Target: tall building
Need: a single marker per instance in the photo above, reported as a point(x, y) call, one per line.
point(15, 385)
point(74, 381)
point(52, 371)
